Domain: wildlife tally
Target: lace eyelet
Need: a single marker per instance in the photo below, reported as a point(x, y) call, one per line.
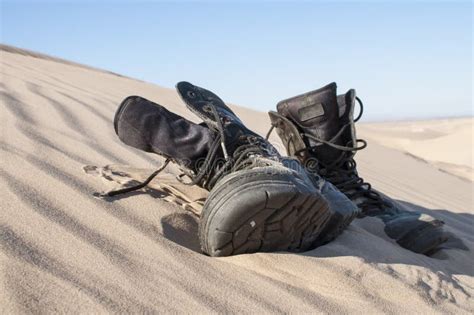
point(191, 94)
point(225, 120)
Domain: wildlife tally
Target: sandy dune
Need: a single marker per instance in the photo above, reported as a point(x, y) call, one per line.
point(447, 144)
point(63, 250)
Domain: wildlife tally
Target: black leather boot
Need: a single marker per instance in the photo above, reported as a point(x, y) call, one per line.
point(258, 200)
point(318, 129)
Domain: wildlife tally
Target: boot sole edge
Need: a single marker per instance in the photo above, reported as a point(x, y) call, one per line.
point(261, 226)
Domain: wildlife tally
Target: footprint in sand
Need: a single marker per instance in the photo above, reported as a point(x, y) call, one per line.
point(164, 186)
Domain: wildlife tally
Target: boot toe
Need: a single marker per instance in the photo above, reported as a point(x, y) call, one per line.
point(419, 233)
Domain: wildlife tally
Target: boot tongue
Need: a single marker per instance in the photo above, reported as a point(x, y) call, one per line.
point(316, 113)
point(346, 103)
point(199, 101)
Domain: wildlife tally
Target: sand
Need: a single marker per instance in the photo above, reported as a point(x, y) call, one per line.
point(64, 250)
point(444, 143)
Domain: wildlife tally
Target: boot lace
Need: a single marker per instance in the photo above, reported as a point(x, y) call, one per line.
point(213, 167)
point(342, 172)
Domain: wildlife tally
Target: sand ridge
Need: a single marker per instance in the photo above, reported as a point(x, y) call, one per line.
point(63, 250)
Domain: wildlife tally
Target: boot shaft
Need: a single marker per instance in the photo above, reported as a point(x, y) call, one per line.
point(206, 152)
point(320, 116)
point(318, 128)
point(152, 128)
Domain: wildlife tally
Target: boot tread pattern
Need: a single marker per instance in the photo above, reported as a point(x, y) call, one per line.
point(294, 226)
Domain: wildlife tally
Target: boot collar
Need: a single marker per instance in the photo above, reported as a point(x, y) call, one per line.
point(315, 106)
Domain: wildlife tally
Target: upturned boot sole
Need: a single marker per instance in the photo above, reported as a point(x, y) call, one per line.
point(262, 210)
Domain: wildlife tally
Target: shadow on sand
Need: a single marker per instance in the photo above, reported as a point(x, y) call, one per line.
point(182, 228)
point(439, 263)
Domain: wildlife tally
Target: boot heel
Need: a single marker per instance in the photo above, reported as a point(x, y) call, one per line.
point(337, 224)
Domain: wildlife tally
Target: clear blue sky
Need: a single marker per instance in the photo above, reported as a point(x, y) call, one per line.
point(406, 60)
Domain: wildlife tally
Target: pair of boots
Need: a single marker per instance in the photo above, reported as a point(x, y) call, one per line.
point(259, 200)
